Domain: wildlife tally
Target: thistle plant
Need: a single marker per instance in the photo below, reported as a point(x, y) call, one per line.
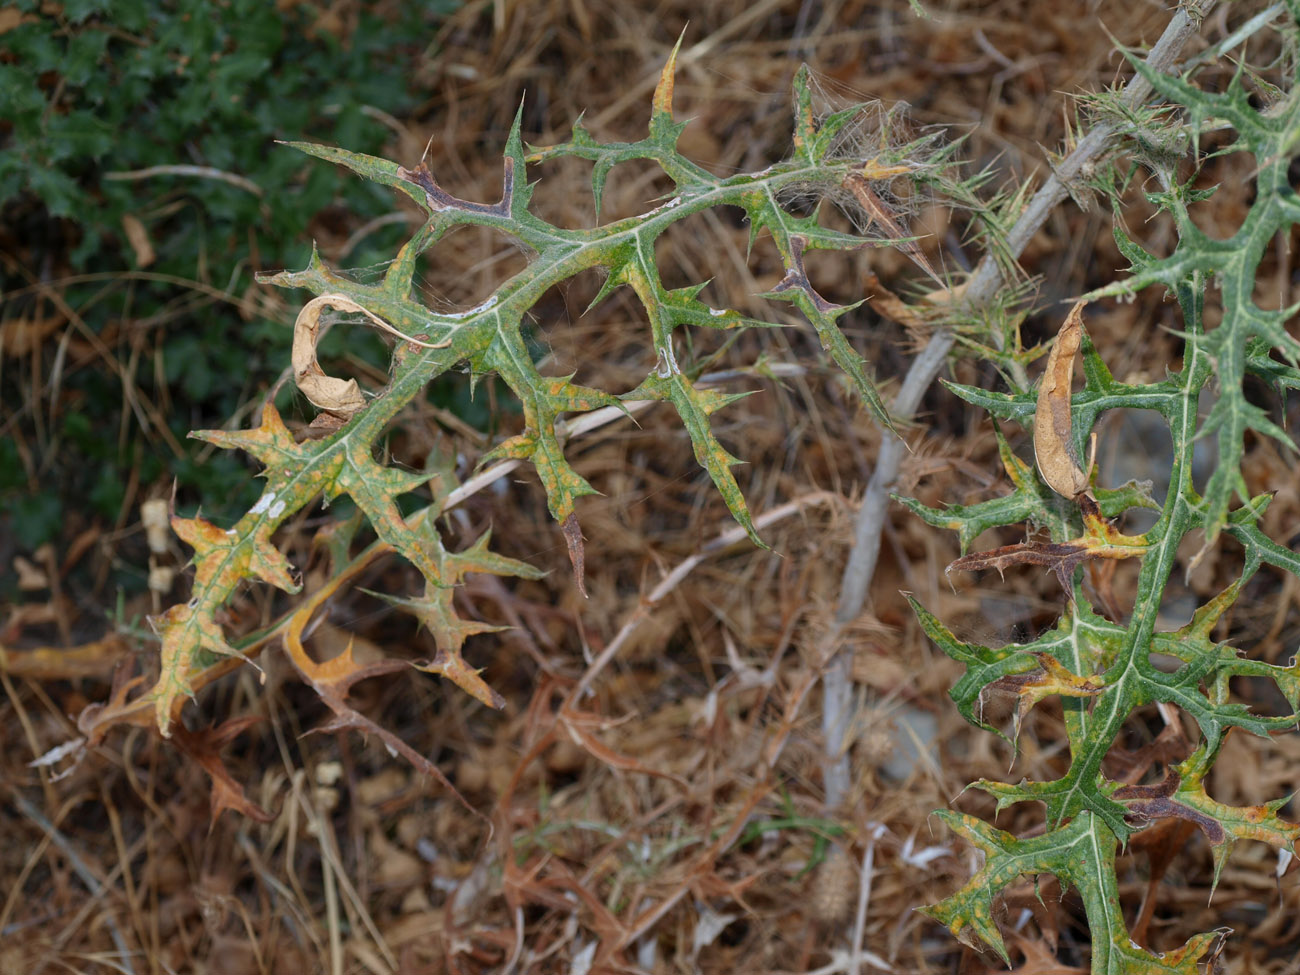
point(337, 458)
point(1098, 659)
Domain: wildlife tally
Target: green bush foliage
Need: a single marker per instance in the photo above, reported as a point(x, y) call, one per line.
point(190, 99)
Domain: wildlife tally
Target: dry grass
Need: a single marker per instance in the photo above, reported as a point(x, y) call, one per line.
point(671, 819)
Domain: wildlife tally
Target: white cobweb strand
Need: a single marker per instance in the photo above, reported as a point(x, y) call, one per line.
point(876, 130)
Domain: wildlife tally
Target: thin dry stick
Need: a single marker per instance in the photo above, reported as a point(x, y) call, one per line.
point(984, 284)
point(864, 898)
point(202, 172)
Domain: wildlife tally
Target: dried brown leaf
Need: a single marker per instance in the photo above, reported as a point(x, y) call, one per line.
point(338, 396)
point(204, 746)
point(577, 551)
point(860, 186)
point(138, 238)
point(1058, 462)
point(1100, 540)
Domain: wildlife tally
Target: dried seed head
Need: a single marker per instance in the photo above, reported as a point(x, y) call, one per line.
point(155, 516)
point(833, 888)
point(882, 140)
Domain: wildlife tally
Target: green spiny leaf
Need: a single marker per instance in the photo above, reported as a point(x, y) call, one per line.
point(1103, 670)
point(339, 459)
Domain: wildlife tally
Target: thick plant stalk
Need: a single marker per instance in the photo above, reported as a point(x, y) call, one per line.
point(983, 286)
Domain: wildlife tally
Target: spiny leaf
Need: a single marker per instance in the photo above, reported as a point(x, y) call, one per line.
point(1271, 139)
point(479, 557)
point(805, 124)
point(371, 167)
point(1030, 501)
point(435, 611)
point(184, 632)
point(1182, 795)
point(338, 456)
point(694, 406)
point(271, 442)
point(1081, 854)
point(1101, 670)
point(663, 130)
point(1052, 679)
point(1100, 540)
point(984, 666)
point(205, 747)
point(220, 555)
point(796, 288)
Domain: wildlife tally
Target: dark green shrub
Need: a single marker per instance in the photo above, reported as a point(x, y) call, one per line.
point(99, 90)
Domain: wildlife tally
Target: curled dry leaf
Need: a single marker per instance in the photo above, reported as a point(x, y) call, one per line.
point(338, 396)
point(1100, 540)
point(577, 551)
point(1058, 462)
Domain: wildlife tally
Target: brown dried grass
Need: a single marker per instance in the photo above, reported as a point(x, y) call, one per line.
point(668, 821)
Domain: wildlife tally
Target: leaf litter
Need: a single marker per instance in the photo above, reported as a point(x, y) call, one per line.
point(625, 825)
